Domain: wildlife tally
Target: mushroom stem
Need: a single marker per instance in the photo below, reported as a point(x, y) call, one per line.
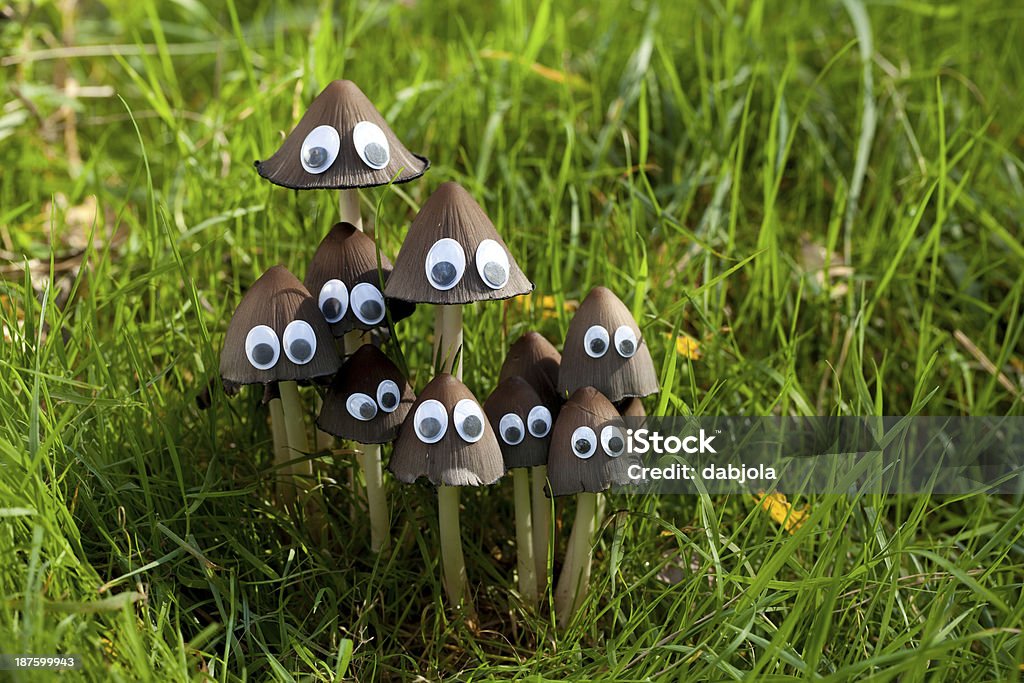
point(575, 576)
point(541, 526)
point(348, 207)
point(524, 536)
point(295, 428)
point(285, 491)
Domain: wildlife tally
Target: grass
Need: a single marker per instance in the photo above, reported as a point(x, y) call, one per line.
point(703, 160)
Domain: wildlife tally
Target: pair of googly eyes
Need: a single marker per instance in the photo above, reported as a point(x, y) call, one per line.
point(512, 430)
point(321, 147)
point(363, 407)
point(595, 341)
point(263, 349)
point(584, 442)
point(431, 421)
point(365, 300)
point(446, 264)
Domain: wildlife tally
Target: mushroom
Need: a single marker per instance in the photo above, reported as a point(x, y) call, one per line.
point(447, 439)
point(342, 143)
point(345, 279)
point(536, 360)
point(432, 267)
point(631, 407)
point(587, 445)
point(277, 335)
point(604, 348)
point(523, 424)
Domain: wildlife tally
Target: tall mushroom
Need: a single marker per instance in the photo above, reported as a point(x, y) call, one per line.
point(536, 360)
point(278, 335)
point(523, 425)
point(586, 443)
point(453, 256)
point(447, 439)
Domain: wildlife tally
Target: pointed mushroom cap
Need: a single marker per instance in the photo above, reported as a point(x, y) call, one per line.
point(450, 213)
point(371, 373)
point(350, 255)
point(343, 106)
point(611, 373)
point(451, 460)
point(568, 473)
point(631, 407)
point(276, 303)
point(536, 360)
point(516, 397)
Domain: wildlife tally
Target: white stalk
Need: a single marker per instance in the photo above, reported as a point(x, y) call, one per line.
point(541, 526)
point(447, 345)
point(575, 576)
point(524, 536)
point(298, 444)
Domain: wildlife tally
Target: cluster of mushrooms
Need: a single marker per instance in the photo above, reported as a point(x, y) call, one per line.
point(555, 417)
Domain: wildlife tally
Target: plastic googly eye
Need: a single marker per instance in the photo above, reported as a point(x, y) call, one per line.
point(262, 348)
point(320, 149)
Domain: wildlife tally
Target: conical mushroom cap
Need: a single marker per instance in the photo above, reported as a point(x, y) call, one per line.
point(349, 257)
point(521, 421)
point(454, 242)
point(533, 358)
point(603, 327)
point(446, 412)
point(588, 418)
point(631, 407)
point(343, 106)
point(276, 321)
point(368, 399)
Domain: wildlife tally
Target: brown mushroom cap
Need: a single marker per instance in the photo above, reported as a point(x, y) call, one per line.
point(451, 213)
point(631, 407)
point(452, 460)
point(276, 300)
point(341, 105)
point(568, 473)
point(613, 374)
point(365, 372)
point(350, 255)
point(516, 397)
point(533, 358)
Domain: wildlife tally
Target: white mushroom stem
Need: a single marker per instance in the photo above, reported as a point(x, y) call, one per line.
point(447, 346)
point(285, 489)
point(575, 576)
point(541, 526)
point(298, 444)
point(524, 536)
point(368, 455)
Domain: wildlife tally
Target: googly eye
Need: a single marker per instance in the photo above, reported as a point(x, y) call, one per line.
point(492, 264)
point(511, 429)
point(584, 442)
point(446, 263)
point(595, 341)
point(469, 420)
point(262, 348)
point(430, 421)
point(388, 396)
point(320, 149)
point(625, 341)
point(371, 144)
point(367, 303)
point(333, 300)
point(299, 342)
point(539, 421)
point(612, 441)
point(361, 407)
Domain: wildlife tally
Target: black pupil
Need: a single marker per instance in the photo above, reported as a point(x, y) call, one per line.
point(512, 434)
point(582, 446)
point(371, 310)
point(430, 427)
point(539, 426)
point(301, 349)
point(597, 345)
point(316, 156)
point(443, 273)
point(263, 354)
point(389, 400)
point(626, 346)
point(472, 425)
point(367, 410)
point(494, 273)
point(331, 308)
point(376, 154)
point(615, 444)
